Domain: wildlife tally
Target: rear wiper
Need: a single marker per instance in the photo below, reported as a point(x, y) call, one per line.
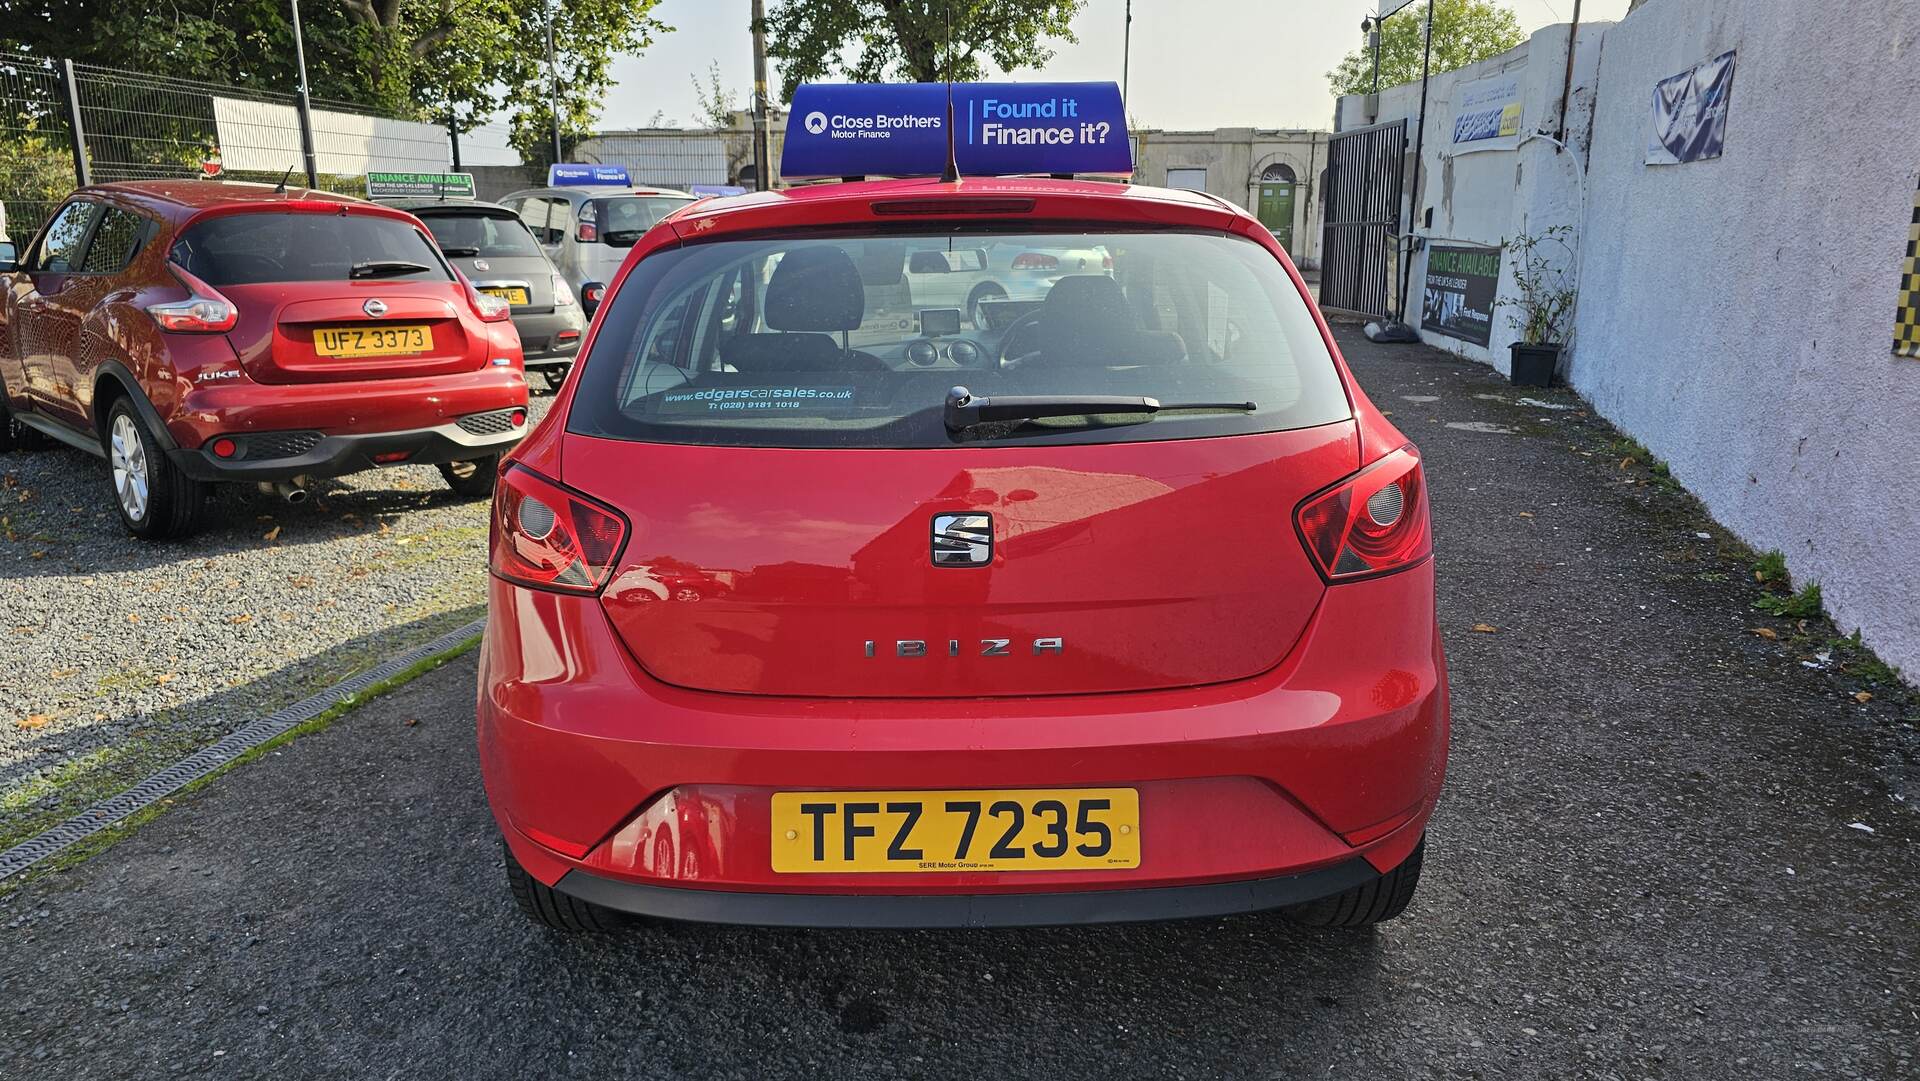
point(963, 410)
point(460, 253)
point(382, 268)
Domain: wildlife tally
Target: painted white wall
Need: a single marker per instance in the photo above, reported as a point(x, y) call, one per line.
point(1736, 314)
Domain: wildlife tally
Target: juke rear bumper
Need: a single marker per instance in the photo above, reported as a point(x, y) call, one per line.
point(1296, 784)
point(316, 454)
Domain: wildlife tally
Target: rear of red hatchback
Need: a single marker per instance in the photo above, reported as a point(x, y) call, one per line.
point(821, 598)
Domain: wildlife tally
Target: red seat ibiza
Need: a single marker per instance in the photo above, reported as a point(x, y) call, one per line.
point(1110, 603)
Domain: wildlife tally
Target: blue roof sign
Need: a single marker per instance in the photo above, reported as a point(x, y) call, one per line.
point(999, 129)
point(569, 175)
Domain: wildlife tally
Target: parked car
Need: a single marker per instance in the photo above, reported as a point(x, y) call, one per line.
point(588, 230)
point(1125, 610)
point(192, 332)
point(973, 278)
point(488, 243)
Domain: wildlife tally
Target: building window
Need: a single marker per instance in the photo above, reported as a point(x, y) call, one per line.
point(1192, 179)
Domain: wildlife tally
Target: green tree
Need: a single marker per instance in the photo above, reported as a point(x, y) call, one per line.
point(717, 101)
point(1464, 32)
point(907, 40)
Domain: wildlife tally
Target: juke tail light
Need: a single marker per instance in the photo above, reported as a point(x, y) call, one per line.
point(550, 537)
point(1374, 522)
point(204, 311)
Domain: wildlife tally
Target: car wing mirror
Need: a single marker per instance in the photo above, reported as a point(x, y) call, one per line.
point(9, 256)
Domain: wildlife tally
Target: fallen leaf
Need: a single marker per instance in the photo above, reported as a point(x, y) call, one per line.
point(413, 722)
point(1486, 628)
point(165, 678)
point(1626, 463)
point(36, 720)
point(1764, 632)
point(1526, 514)
point(37, 555)
point(133, 617)
point(1863, 697)
point(244, 617)
point(64, 673)
point(271, 534)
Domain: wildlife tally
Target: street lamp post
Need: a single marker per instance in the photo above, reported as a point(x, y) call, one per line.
point(304, 101)
point(553, 83)
point(762, 154)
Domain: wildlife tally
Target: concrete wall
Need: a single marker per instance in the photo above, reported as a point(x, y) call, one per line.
point(1234, 158)
point(1736, 314)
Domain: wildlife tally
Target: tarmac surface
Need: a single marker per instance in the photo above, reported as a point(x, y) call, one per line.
point(1669, 848)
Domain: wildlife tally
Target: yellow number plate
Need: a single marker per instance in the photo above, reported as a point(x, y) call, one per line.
point(1035, 829)
point(372, 341)
point(512, 294)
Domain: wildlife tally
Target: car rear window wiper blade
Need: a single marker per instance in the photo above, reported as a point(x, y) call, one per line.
point(384, 268)
point(964, 409)
point(460, 253)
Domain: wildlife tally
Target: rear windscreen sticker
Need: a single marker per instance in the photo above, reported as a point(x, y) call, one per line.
point(754, 399)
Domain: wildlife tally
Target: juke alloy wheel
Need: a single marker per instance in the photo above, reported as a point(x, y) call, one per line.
point(155, 500)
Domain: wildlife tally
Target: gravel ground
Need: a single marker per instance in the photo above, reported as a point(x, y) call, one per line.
point(1649, 863)
point(118, 656)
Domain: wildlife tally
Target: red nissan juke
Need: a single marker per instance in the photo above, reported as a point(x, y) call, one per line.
point(1113, 601)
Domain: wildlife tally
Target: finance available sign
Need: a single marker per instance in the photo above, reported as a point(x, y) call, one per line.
point(863, 129)
point(1461, 291)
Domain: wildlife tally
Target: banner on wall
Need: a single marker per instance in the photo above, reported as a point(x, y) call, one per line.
point(1461, 288)
point(1906, 317)
point(1488, 115)
point(1690, 113)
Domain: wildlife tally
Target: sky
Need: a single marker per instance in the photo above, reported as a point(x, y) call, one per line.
point(1197, 64)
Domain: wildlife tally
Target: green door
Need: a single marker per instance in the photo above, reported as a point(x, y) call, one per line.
point(1276, 210)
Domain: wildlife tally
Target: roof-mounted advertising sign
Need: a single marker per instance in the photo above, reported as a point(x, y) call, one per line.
point(999, 129)
point(572, 174)
point(419, 185)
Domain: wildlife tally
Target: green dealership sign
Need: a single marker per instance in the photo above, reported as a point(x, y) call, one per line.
point(420, 185)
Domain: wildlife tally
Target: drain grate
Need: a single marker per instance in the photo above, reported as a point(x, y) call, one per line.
point(204, 761)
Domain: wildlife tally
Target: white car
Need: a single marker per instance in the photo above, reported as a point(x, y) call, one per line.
point(964, 278)
point(587, 230)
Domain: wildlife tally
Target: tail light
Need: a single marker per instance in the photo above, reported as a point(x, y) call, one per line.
point(588, 227)
point(550, 537)
point(1374, 522)
point(1035, 260)
point(490, 308)
point(205, 311)
point(593, 292)
point(562, 292)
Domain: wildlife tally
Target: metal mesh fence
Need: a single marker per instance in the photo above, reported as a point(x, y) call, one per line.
point(36, 156)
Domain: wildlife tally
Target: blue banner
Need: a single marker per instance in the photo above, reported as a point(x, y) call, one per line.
point(567, 175)
point(999, 129)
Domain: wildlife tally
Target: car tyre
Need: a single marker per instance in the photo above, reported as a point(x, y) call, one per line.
point(474, 479)
point(554, 910)
point(17, 436)
point(1368, 903)
point(155, 499)
point(983, 291)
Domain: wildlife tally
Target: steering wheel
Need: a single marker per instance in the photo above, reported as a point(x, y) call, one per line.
point(1000, 358)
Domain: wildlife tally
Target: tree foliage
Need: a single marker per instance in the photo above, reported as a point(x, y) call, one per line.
point(907, 40)
point(1464, 32)
point(717, 100)
point(416, 58)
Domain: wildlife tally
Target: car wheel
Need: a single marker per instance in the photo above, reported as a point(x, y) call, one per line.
point(552, 909)
point(686, 593)
point(1368, 903)
point(556, 376)
point(472, 480)
point(155, 499)
point(983, 291)
point(17, 436)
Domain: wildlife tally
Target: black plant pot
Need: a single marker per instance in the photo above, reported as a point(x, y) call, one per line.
point(1532, 365)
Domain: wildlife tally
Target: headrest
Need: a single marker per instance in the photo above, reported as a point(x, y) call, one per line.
point(816, 289)
point(1085, 320)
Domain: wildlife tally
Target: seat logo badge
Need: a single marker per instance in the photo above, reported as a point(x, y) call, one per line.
point(482, 264)
point(375, 307)
point(962, 540)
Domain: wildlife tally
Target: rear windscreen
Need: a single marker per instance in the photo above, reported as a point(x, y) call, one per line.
point(624, 219)
point(840, 341)
point(269, 246)
point(467, 235)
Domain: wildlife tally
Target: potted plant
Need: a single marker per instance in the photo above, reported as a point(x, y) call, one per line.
point(1543, 306)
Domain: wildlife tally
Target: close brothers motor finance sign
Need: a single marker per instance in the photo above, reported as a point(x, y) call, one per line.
point(999, 129)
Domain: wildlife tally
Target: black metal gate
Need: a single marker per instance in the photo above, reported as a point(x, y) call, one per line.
point(1360, 246)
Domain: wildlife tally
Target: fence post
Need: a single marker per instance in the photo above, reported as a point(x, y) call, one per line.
point(82, 174)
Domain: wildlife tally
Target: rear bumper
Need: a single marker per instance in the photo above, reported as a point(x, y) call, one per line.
point(338, 455)
point(1261, 792)
point(538, 334)
point(967, 910)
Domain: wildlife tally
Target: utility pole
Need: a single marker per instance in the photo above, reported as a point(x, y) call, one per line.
point(553, 82)
point(1419, 146)
point(305, 103)
point(453, 133)
point(762, 155)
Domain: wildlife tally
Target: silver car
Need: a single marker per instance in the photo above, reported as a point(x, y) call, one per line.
point(587, 230)
point(970, 278)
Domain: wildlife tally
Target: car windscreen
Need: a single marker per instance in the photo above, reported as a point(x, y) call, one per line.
point(486, 236)
point(279, 246)
point(855, 341)
point(624, 219)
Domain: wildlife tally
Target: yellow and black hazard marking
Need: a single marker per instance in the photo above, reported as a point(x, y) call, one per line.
point(1906, 317)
